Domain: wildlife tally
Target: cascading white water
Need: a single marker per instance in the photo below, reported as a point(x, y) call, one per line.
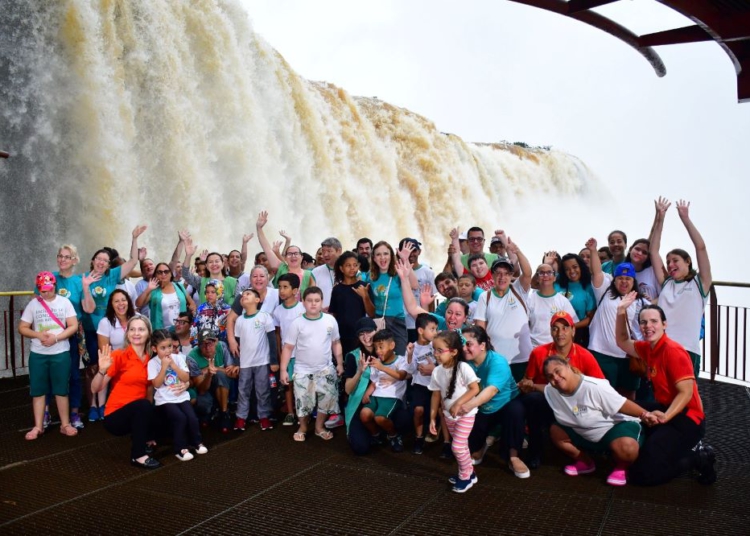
point(177, 114)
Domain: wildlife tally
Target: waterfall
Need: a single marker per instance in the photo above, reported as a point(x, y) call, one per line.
point(176, 114)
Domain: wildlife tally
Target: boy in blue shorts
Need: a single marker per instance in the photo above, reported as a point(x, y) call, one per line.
point(313, 337)
point(386, 390)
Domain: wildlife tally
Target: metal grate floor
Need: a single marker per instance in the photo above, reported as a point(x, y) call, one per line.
point(264, 483)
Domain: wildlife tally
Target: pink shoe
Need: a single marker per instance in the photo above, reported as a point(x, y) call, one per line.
point(617, 478)
point(580, 468)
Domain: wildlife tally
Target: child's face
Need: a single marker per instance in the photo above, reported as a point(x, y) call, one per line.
point(442, 353)
point(313, 304)
point(163, 349)
point(249, 299)
point(428, 333)
point(384, 349)
point(350, 267)
point(286, 291)
point(465, 289)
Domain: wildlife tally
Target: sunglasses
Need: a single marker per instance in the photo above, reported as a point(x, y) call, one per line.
point(162, 272)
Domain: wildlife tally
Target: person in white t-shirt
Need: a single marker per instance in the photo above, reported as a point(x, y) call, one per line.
point(283, 315)
point(503, 313)
point(167, 372)
point(258, 360)
point(314, 338)
point(591, 416)
point(425, 280)
point(543, 304)
point(385, 394)
point(454, 383)
point(324, 275)
point(422, 359)
point(49, 321)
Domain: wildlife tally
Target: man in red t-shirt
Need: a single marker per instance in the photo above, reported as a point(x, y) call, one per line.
point(562, 328)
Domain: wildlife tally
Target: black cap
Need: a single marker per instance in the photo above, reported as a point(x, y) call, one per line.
point(208, 334)
point(416, 243)
point(502, 261)
point(365, 324)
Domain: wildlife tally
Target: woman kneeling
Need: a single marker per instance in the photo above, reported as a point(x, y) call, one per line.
point(591, 416)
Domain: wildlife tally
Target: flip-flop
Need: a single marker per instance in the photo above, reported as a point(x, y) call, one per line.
point(68, 430)
point(34, 433)
point(299, 436)
point(325, 435)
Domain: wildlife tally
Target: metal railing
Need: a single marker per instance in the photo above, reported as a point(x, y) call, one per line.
point(725, 343)
point(15, 361)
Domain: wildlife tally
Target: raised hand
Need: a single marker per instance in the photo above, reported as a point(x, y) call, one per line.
point(592, 245)
point(246, 238)
point(204, 255)
point(142, 253)
point(262, 219)
point(139, 230)
point(190, 248)
point(276, 248)
point(454, 233)
point(105, 358)
point(405, 251)
point(153, 284)
point(90, 278)
point(501, 235)
point(683, 209)
point(662, 205)
point(425, 295)
point(627, 300)
point(403, 267)
point(284, 234)
point(362, 290)
point(512, 247)
point(184, 235)
point(550, 257)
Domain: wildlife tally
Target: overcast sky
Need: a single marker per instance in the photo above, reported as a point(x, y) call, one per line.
point(491, 70)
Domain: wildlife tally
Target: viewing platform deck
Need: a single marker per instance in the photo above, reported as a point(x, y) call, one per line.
point(264, 483)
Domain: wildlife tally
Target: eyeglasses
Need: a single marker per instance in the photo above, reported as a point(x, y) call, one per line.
point(162, 272)
point(545, 274)
point(476, 239)
point(179, 321)
point(105, 261)
point(292, 254)
point(440, 351)
point(65, 257)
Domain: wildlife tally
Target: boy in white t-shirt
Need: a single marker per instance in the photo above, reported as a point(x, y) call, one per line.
point(313, 337)
point(386, 391)
point(257, 336)
point(422, 359)
point(49, 321)
point(283, 316)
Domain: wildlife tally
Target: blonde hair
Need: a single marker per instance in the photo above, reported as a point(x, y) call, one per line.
point(73, 251)
point(146, 321)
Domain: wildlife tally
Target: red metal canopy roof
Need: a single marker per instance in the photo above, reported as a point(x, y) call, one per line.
point(725, 21)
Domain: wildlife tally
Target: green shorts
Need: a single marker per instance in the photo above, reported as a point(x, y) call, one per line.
point(49, 374)
point(631, 429)
point(381, 406)
point(617, 371)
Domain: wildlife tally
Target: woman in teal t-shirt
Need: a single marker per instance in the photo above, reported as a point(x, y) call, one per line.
point(574, 282)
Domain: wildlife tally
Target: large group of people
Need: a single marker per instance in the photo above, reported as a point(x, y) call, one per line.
point(596, 351)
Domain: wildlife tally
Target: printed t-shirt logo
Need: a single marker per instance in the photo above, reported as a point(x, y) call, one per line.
point(99, 291)
point(63, 292)
point(380, 289)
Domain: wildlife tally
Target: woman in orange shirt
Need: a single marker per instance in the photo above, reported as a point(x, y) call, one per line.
point(129, 409)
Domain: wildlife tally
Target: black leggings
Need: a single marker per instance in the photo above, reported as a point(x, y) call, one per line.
point(667, 451)
point(511, 416)
point(538, 416)
point(184, 423)
point(136, 419)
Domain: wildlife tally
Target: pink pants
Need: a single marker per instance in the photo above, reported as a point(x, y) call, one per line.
point(460, 429)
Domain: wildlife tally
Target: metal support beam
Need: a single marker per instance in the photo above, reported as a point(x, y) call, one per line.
point(687, 34)
point(576, 6)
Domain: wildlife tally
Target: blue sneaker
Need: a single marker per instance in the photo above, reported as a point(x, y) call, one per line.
point(397, 444)
point(76, 422)
point(101, 413)
point(93, 414)
point(474, 479)
point(47, 420)
point(462, 486)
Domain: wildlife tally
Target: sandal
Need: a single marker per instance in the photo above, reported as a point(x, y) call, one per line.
point(34, 433)
point(299, 436)
point(325, 435)
point(68, 430)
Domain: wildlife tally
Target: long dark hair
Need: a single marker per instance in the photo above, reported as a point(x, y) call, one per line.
point(338, 272)
point(692, 272)
point(454, 342)
point(479, 334)
point(110, 314)
point(647, 262)
point(614, 293)
point(562, 277)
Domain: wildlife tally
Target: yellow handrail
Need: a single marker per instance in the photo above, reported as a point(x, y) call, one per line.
point(17, 293)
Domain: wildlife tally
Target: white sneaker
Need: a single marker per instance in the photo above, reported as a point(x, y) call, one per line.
point(184, 456)
point(335, 421)
point(201, 449)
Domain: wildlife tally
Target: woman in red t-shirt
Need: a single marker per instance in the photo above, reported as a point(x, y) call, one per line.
point(129, 409)
point(676, 419)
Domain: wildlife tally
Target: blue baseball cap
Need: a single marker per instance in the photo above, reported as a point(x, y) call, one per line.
point(625, 269)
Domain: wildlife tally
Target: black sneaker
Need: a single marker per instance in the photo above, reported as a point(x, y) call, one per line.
point(397, 444)
point(418, 445)
point(447, 452)
point(705, 465)
point(376, 440)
